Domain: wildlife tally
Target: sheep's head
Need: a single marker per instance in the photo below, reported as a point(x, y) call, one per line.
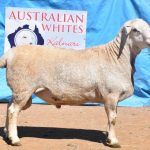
point(138, 32)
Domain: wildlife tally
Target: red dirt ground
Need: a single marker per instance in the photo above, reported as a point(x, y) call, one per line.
point(44, 127)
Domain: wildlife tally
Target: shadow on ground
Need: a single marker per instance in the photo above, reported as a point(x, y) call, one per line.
point(60, 133)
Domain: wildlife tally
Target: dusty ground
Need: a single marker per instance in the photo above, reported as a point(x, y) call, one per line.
point(43, 127)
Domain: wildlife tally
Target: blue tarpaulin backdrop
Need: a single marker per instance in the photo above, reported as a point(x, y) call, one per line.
point(105, 17)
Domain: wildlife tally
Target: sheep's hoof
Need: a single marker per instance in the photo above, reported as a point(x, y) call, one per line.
point(58, 106)
point(113, 145)
point(16, 143)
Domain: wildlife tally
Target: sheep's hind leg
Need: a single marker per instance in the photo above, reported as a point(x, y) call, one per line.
point(6, 123)
point(111, 111)
point(28, 104)
point(18, 103)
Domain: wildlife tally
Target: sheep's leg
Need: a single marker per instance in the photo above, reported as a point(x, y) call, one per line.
point(19, 101)
point(6, 123)
point(111, 110)
point(28, 104)
point(13, 111)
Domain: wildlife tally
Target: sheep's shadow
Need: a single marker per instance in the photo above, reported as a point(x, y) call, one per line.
point(60, 133)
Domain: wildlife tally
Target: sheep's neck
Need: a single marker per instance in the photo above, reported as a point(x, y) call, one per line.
point(128, 53)
point(125, 61)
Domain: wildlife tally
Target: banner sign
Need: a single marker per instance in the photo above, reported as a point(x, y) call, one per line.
point(55, 28)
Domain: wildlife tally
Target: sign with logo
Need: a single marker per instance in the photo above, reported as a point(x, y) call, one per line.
point(55, 28)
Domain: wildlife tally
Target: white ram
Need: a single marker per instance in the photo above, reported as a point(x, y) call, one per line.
point(98, 74)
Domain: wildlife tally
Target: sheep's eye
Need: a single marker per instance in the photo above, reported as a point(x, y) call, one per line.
point(135, 30)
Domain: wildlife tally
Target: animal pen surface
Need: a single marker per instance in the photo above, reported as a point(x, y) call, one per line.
point(43, 127)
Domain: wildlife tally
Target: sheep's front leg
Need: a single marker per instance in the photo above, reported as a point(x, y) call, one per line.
point(111, 110)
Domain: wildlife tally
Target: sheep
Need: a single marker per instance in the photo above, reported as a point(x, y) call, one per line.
point(66, 77)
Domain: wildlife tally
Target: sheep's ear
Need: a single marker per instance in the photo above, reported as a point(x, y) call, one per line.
point(125, 32)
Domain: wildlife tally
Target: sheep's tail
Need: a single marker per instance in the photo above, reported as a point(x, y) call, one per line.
point(3, 61)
